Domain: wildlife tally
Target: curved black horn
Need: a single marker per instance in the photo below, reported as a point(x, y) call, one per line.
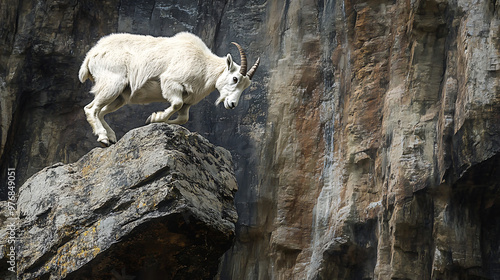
point(243, 69)
point(254, 67)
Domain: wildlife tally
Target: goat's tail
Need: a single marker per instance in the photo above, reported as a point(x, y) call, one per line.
point(84, 73)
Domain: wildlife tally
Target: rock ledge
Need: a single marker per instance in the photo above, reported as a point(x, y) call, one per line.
point(157, 203)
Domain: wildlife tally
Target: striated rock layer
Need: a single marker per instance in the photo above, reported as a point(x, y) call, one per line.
point(366, 148)
point(156, 205)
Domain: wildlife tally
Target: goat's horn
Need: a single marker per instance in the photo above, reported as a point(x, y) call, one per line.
point(243, 69)
point(254, 67)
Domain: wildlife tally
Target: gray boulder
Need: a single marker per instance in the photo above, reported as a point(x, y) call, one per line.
point(156, 205)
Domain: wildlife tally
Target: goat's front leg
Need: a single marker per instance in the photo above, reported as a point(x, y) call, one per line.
point(171, 92)
point(182, 115)
point(163, 116)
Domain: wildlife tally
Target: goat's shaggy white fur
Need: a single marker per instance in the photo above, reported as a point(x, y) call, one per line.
point(142, 69)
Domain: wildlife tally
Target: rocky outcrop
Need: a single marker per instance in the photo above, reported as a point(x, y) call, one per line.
point(158, 204)
point(367, 146)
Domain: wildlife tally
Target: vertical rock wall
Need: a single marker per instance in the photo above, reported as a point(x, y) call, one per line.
point(367, 146)
point(414, 123)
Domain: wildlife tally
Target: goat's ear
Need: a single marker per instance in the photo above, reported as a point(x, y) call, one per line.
point(229, 61)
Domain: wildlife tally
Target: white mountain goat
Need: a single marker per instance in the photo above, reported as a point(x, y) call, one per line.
point(140, 69)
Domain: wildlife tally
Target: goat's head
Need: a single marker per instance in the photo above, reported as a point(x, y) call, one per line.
point(234, 80)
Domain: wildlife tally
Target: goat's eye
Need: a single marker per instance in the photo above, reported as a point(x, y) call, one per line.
point(235, 80)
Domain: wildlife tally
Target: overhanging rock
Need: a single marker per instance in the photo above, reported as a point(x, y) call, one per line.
point(156, 205)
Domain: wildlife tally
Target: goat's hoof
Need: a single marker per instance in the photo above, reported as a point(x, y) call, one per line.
point(112, 139)
point(148, 121)
point(105, 143)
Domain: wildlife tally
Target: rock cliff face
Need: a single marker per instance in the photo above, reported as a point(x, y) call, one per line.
point(157, 205)
point(367, 147)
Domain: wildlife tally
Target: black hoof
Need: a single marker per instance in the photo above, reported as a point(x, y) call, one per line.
point(105, 143)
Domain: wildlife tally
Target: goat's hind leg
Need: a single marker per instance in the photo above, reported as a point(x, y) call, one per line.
point(115, 105)
point(92, 111)
point(104, 96)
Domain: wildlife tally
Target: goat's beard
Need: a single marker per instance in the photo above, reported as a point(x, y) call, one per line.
point(219, 100)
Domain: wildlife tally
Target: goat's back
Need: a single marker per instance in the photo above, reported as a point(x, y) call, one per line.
point(142, 57)
point(134, 44)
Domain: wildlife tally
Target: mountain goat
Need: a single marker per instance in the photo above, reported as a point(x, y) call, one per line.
point(139, 69)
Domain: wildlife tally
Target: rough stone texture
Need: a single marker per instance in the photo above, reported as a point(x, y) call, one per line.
point(158, 204)
point(367, 147)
